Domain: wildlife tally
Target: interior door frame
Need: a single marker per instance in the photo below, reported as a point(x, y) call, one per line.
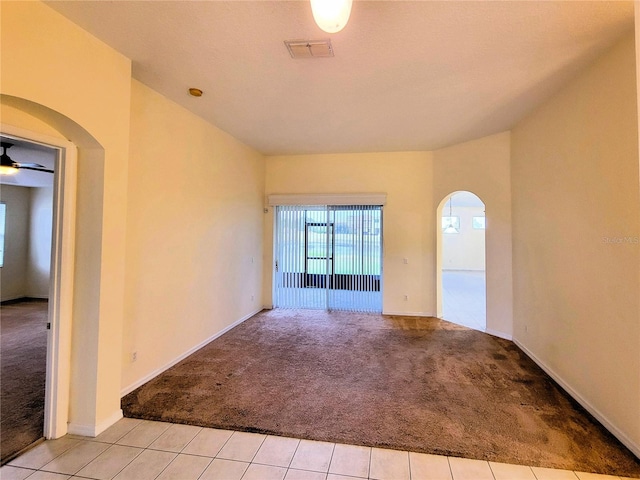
point(61, 277)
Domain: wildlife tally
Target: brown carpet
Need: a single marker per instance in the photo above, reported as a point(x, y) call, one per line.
point(418, 384)
point(23, 360)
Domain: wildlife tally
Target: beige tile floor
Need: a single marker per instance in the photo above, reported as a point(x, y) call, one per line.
point(145, 450)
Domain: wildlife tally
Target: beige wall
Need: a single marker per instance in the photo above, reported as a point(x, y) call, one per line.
point(576, 221)
point(415, 183)
point(482, 167)
point(408, 217)
point(56, 72)
point(13, 275)
point(194, 234)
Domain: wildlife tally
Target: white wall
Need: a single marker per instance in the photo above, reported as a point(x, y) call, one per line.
point(40, 228)
point(575, 199)
point(194, 243)
point(13, 275)
point(28, 242)
point(464, 250)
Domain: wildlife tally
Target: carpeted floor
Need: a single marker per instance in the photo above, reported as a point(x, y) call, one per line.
point(407, 383)
point(23, 347)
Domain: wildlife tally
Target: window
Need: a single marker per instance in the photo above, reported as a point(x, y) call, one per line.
point(478, 223)
point(451, 224)
point(3, 215)
point(328, 256)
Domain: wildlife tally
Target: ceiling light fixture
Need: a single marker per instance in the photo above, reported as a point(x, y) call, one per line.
point(450, 228)
point(195, 92)
point(7, 166)
point(331, 15)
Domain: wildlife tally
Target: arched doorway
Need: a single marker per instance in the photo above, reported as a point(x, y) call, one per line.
point(31, 122)
point(461, 260)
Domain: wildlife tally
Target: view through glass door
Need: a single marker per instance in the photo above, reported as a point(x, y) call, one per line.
point(328, 257)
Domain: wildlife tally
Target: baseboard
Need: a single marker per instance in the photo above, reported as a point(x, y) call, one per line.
point(94, 430)
point(497, 333)
point(409, 314)
point(158, 371)
point(615, 431)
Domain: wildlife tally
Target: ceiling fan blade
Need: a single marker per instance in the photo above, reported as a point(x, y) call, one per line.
point(32, 165)
point(22, 167)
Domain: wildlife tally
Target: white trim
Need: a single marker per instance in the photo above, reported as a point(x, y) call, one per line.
point(602, 418)
point(327, 199)
point(58, 379)
point(497, 333)
point(95, 430)
point(408, 314)
point(158, 371)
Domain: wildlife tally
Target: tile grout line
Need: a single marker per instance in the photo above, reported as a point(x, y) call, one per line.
point(330, 460)
point(450, 469)
point(119, 471)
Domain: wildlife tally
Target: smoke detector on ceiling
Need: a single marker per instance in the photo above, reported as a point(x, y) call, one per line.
point(309, 48)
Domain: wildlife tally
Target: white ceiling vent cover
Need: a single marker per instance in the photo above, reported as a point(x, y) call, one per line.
point(309, 48)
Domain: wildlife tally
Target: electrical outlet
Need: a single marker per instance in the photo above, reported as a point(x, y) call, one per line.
point(134, 356)
point(251, 297)
point(406, 297)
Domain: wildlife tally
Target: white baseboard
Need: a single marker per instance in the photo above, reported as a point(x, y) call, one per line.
point(409, 314)
point(497, 333)
point(94, 430)
point(602, 418)
point(158, 371)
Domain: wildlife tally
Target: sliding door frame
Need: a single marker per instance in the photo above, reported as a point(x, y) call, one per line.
point(292, 271)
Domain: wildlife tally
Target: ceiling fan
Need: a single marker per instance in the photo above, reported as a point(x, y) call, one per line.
point(9, 167)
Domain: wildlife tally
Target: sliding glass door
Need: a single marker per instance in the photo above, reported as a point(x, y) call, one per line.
point(328, 257)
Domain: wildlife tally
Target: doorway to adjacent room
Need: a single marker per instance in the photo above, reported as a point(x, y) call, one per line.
point(26, 226)
point(462, 226)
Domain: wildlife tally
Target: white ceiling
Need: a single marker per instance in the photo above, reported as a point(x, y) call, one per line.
point(415, 75)
point(26, 152)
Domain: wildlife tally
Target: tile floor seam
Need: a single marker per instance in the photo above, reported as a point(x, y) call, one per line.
point(257, 450)
point(130, 462)
point(192, 439)
point(294, 455)
point(492, 472)
point(331, 459)
point(450, 469)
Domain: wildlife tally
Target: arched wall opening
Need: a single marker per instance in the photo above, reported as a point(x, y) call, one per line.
point(461, 260)
point(72, 358)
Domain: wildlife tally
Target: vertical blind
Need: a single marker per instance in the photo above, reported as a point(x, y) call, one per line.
point(328, 257)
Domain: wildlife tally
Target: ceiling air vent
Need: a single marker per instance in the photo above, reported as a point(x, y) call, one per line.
point(309, 48)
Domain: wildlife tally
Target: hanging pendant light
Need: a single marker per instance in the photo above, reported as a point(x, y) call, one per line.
point(450, 227)
point(331, 15)
point(7, 166)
